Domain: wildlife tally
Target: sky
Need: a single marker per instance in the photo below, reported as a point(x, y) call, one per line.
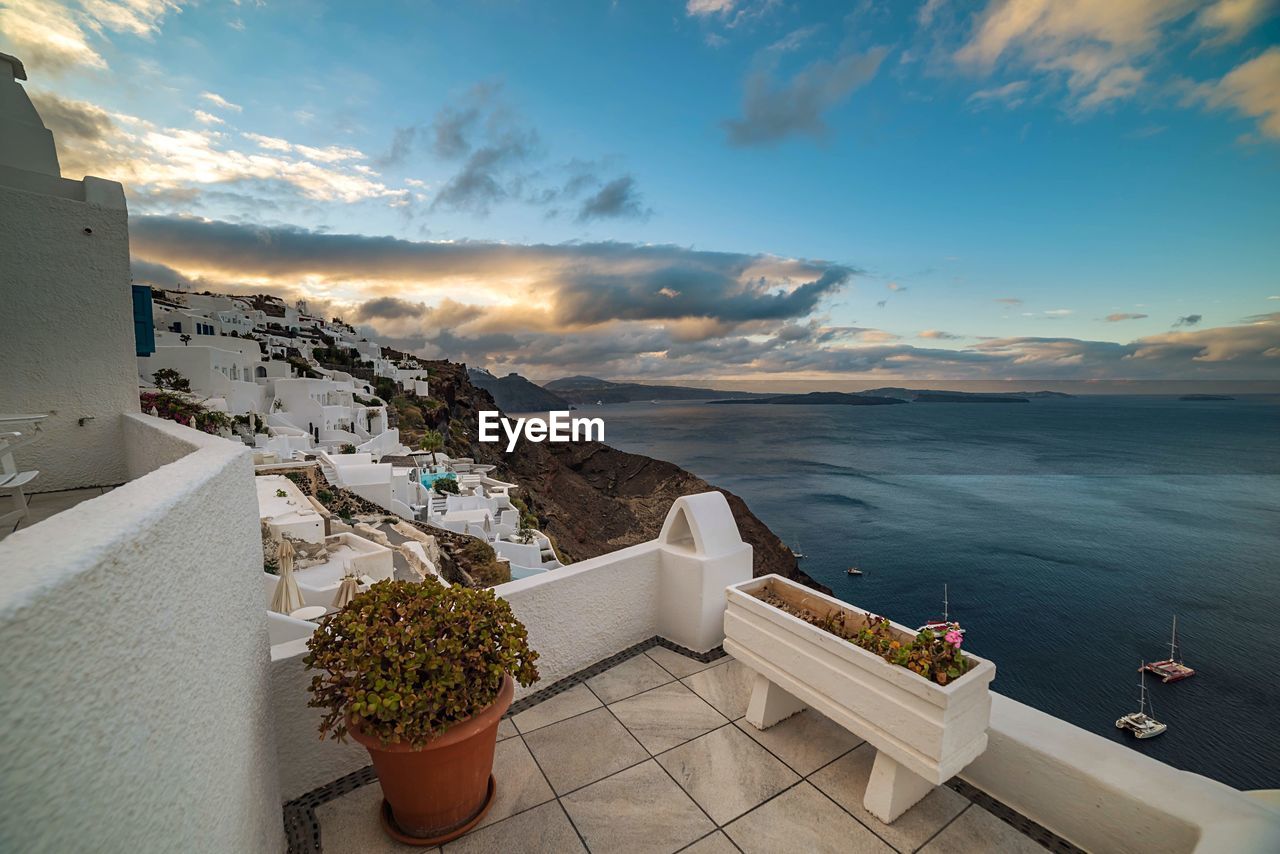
point(703, 190)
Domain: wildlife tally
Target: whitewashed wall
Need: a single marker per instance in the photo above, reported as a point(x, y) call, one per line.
point(66, 325)
point(134, 697)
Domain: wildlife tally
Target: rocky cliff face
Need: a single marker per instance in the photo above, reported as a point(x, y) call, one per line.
point(588, 497)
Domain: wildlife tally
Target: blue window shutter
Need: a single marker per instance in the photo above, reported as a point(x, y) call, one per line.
point(144, 330)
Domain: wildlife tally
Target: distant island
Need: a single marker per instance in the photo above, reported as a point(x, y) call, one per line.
point(581, 389)
point(819, 398)
point(927, 395)
point(514, 393)
point(1205, 397)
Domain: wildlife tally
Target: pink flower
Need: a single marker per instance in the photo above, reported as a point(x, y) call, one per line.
point(954, 638)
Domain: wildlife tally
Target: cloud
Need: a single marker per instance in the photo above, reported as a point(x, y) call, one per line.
point(938, 335)
point(1116, 318)
point(1010, 94)
point(1097, 48)
point(206, 118)
point(639, 311)
point(577, 284)
point(928, 9)
point(1059, 312)
point(1188, 320)
point(617, 199)
point(55, 37)
point(1009, 300)
point(774, 109)
point(220, 102)
point(1250, 89)
point(1230, 20)
point(895, 287)
point(157, 162)
point(709, 7)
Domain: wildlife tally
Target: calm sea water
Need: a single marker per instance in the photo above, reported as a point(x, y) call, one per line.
point(1069, 533)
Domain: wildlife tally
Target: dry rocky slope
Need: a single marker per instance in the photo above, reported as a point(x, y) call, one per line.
point(588, 497)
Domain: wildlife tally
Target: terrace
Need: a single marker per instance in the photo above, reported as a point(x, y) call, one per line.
point(649, 751)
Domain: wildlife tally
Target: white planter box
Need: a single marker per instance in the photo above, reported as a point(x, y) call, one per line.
point(933, 731)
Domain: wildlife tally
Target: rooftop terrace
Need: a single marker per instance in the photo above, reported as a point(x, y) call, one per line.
point(648, 751)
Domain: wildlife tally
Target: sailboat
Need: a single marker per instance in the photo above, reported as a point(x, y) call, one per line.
point(945, 624)
point(1171, 669)
point(796, 551)
point(1140, 723)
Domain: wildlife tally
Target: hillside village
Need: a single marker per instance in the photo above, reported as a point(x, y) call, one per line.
point(343, 427)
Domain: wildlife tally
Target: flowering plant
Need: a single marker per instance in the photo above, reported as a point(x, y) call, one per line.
point(181, 408)
point(935, 655)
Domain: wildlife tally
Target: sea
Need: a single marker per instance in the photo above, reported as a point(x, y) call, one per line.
point(1067, 533)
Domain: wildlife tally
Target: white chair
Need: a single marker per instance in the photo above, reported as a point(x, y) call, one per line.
point(12, 481)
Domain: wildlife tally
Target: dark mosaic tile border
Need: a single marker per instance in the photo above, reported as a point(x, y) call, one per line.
point(1013, 818)
point(302, 829)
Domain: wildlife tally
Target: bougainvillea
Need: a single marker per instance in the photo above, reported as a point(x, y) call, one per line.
point(407, 661)
point(182, 408)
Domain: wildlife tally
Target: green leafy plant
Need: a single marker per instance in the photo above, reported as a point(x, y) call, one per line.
point(324, 496)
point(280, 493)
point(405, 661)
point(348, 448)
point(934, 655)
point(170, 379)
point(445, 486)
point(432, 442)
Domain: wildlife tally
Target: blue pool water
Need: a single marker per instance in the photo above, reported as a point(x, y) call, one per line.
point(428, 479)
point(1069, 533)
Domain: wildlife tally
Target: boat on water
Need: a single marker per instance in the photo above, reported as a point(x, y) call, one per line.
point(853, 570)
point(945, 624)
point(1171, 669)
point(796, 551)
point(1141, 724)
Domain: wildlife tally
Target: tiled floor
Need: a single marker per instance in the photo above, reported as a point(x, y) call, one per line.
point(42, 505)
point(653, 755)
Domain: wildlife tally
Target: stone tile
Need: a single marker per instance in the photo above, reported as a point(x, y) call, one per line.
point(636, 674)
point(676, 664)
point(802, 819)
point(575, 701)
point(506, 729)
point(727, 773)
point(806, 741)
point(977, 830)
point(664, 717)
point(581, 750)
point(350, 825)
point(716, 843)
point(725, 686)
point(636, 811)
point(544, 828)
point(520, 784)
point(845, 781)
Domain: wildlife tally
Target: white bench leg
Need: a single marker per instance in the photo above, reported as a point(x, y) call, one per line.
point(893, 789)
point(770, 704)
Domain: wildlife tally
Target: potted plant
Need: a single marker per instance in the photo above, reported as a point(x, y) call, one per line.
point(922, 702)
point(421, 674)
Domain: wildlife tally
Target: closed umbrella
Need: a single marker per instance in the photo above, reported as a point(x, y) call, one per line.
point(347, 591)
point(287, 598)
point(488, 526)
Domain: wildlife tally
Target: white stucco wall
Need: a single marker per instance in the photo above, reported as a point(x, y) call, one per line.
point(66, 328)
point(1103, 796)
point(134, 697)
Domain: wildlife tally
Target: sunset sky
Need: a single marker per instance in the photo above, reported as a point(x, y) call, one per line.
point(703, 189)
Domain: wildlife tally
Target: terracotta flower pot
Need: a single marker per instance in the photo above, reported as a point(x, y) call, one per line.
point(441, 790)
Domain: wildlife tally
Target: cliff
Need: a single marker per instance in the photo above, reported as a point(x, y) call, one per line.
point(514, 393)
point(589, 498)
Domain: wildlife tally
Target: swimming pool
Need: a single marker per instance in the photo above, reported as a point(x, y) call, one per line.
point(428, 478)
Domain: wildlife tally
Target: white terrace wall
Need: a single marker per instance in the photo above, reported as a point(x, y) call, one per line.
point(1103, 796)
point(134, 696)
point(671, 587)
point(66, 316)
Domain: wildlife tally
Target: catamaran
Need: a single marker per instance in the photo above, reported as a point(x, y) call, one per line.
point(945, 624)
point(1171, 669)
point(1140, 723)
